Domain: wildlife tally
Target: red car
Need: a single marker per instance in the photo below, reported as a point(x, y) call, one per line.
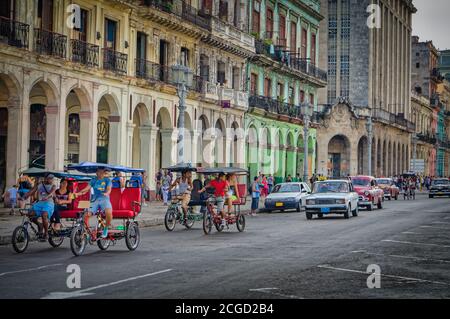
point(370, 194)
point(389, 188)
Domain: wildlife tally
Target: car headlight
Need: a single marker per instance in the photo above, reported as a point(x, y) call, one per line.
point(340, 201)
point(310, 202)
point(366, 193)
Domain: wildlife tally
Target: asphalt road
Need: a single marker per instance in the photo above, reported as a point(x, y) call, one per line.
point(278, 256)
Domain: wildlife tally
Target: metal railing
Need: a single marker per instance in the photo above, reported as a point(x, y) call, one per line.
point(84, 53)
point(430, 139)
point(14, 33)
point(274, 106)
point(50, 43)
point(115, 61)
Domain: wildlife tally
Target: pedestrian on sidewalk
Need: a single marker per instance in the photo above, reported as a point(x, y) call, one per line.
point(270, 181)
point(10, 197)
point(256, 193)
point(165, 184)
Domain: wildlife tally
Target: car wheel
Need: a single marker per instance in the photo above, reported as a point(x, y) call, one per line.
point(355, 212)
point(308, 216)
point(380, 204)
point(299, 207)
point(396, 197)
point(347, 212)
point(430, 196)
point(320, 216)
point(390, 197)
point(369, 208)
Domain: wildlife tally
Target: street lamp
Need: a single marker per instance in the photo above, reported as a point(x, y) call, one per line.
point(369, 128)
point(182, 78)
point(306, 111)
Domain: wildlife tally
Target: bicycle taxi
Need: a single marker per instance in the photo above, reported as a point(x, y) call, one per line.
point(126, 205)
point(31, 226)
point(211, 216)
point(175, 213)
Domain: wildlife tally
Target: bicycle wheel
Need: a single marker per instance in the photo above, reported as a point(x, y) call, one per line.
point(132, 236)
point(207, 223)
point(170, 220)
point(240, 223)
point(189, 221)
point(55, 240)
point(103, 244)
point(78, 240)
point(20, 239)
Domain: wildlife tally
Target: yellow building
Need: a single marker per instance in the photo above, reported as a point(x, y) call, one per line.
point(91, 81)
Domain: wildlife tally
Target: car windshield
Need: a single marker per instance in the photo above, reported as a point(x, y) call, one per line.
point(360, 182)
point(330, 187)
point(440, 182)
point(287, 188)
point(384, 181)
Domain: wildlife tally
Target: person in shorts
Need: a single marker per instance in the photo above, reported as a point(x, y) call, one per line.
point(184, 188)
point(101, 186)
point(44, 207)
point(256, 194)
point(220, 186)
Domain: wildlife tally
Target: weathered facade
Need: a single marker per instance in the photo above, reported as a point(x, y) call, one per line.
point(369, 68)
point(101, 90)
point(283, 77)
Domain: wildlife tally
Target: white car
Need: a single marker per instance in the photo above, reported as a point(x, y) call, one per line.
point(287, 196)
point(332, 197)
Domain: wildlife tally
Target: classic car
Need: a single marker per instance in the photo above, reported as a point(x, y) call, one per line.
point(369, 192)
point(332, 197)
point(439, 187)
point(287, 196)
point(389, 188)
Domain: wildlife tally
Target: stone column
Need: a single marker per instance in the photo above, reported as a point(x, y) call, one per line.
point(195, 146)
point(16, 146)
point(54, 137)
point(169, 145)
point(88, 136)
point(114, 145)
point(129, 146)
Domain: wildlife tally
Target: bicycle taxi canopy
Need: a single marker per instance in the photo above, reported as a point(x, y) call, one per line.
point(91, 167)
point(224, 170)
point(182, 167)
point(39, 172)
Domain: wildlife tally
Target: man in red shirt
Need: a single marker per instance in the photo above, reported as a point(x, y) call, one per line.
point(220, 185)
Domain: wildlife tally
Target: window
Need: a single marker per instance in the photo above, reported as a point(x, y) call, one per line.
point(253, 84)
point(302, 96)
point(141, 48)
point(223, 10)
point(45, 15)
point(311, 99)
point(269, 23)
point(280, 91)
point(304, 42)
point(282, 25)
point(293, 37)
point(417, 65)
point(204, 67)
point(221, 73)
point(81, 32)
point(110, 34)
point(267, 87)
point(184, 56)
point(207, 7)
point(291, 95)
point(236, 78)
point(256, 17)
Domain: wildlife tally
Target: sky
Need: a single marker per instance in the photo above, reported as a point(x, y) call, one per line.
point(432, 22)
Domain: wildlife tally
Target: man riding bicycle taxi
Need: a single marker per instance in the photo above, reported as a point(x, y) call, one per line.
point(44, 207)
point(101, 186)
point(185, 186)
point(221, 186)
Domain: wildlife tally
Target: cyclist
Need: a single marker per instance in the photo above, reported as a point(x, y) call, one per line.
point(184, 184)
point(45, 205)
point(101, 186)
point(220, 186)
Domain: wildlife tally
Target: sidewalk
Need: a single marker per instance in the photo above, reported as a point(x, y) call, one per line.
point(151, 215)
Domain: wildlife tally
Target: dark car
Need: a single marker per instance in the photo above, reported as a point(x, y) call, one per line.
point(439, 187)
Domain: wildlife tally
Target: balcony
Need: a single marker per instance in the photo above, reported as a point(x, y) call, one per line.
point(50, 43)
point(115, 61)
point(274, 106)
point(427, 138)
point(393, 119)
point(435, 101)
point(14, 33)
point(231, 37)
point(436, 75)
point(85, 53)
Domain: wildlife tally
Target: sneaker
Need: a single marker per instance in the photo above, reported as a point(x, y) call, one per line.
point(105, 232)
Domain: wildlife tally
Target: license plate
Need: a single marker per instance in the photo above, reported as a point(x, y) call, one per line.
point(440, 193)
point(279, 204)
point(325, 210)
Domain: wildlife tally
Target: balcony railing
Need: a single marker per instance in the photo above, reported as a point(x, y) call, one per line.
point(147, 70)
point(274, 106)
point(436, 75)
point(192, 15)
point(115, 61)
point(14, 33)
point(85, 53)
point(50, 43)
point(391, 118)
point(430, 139)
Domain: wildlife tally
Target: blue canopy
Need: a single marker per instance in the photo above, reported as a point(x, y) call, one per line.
point(91, 167)
point(40, 172)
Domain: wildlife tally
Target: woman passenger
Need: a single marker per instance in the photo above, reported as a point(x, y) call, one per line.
point(233, 191)
point(63, 197)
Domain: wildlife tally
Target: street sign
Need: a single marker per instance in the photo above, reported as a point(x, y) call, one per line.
point(418, 166)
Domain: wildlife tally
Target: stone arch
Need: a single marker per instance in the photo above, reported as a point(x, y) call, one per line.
point(362, 155)
point(204, 156)
point(300, 154)
point(290, 167)
point(165, 140)
point(140, 120)
point(252, 150)
point(219, 142)
point(339, 156)
point(108, 129)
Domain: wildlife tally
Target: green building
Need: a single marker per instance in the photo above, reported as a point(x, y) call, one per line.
point(283, 81)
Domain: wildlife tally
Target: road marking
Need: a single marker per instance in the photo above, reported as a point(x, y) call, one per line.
point(85, 292)
point(401, 256)
point(383, 275)
point(414, 243)
point(30, 269)
point(445, 223)
point(443, 228)
point(410, 233)
point(271, 291)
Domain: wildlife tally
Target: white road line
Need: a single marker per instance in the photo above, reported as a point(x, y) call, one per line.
point(403, 257)
point(411, 233)
point(414, 243)
point(85, 292)
point(30, 269)
point(443, 228)
point(444, 223)
point(271, 291)
point(383, 275)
